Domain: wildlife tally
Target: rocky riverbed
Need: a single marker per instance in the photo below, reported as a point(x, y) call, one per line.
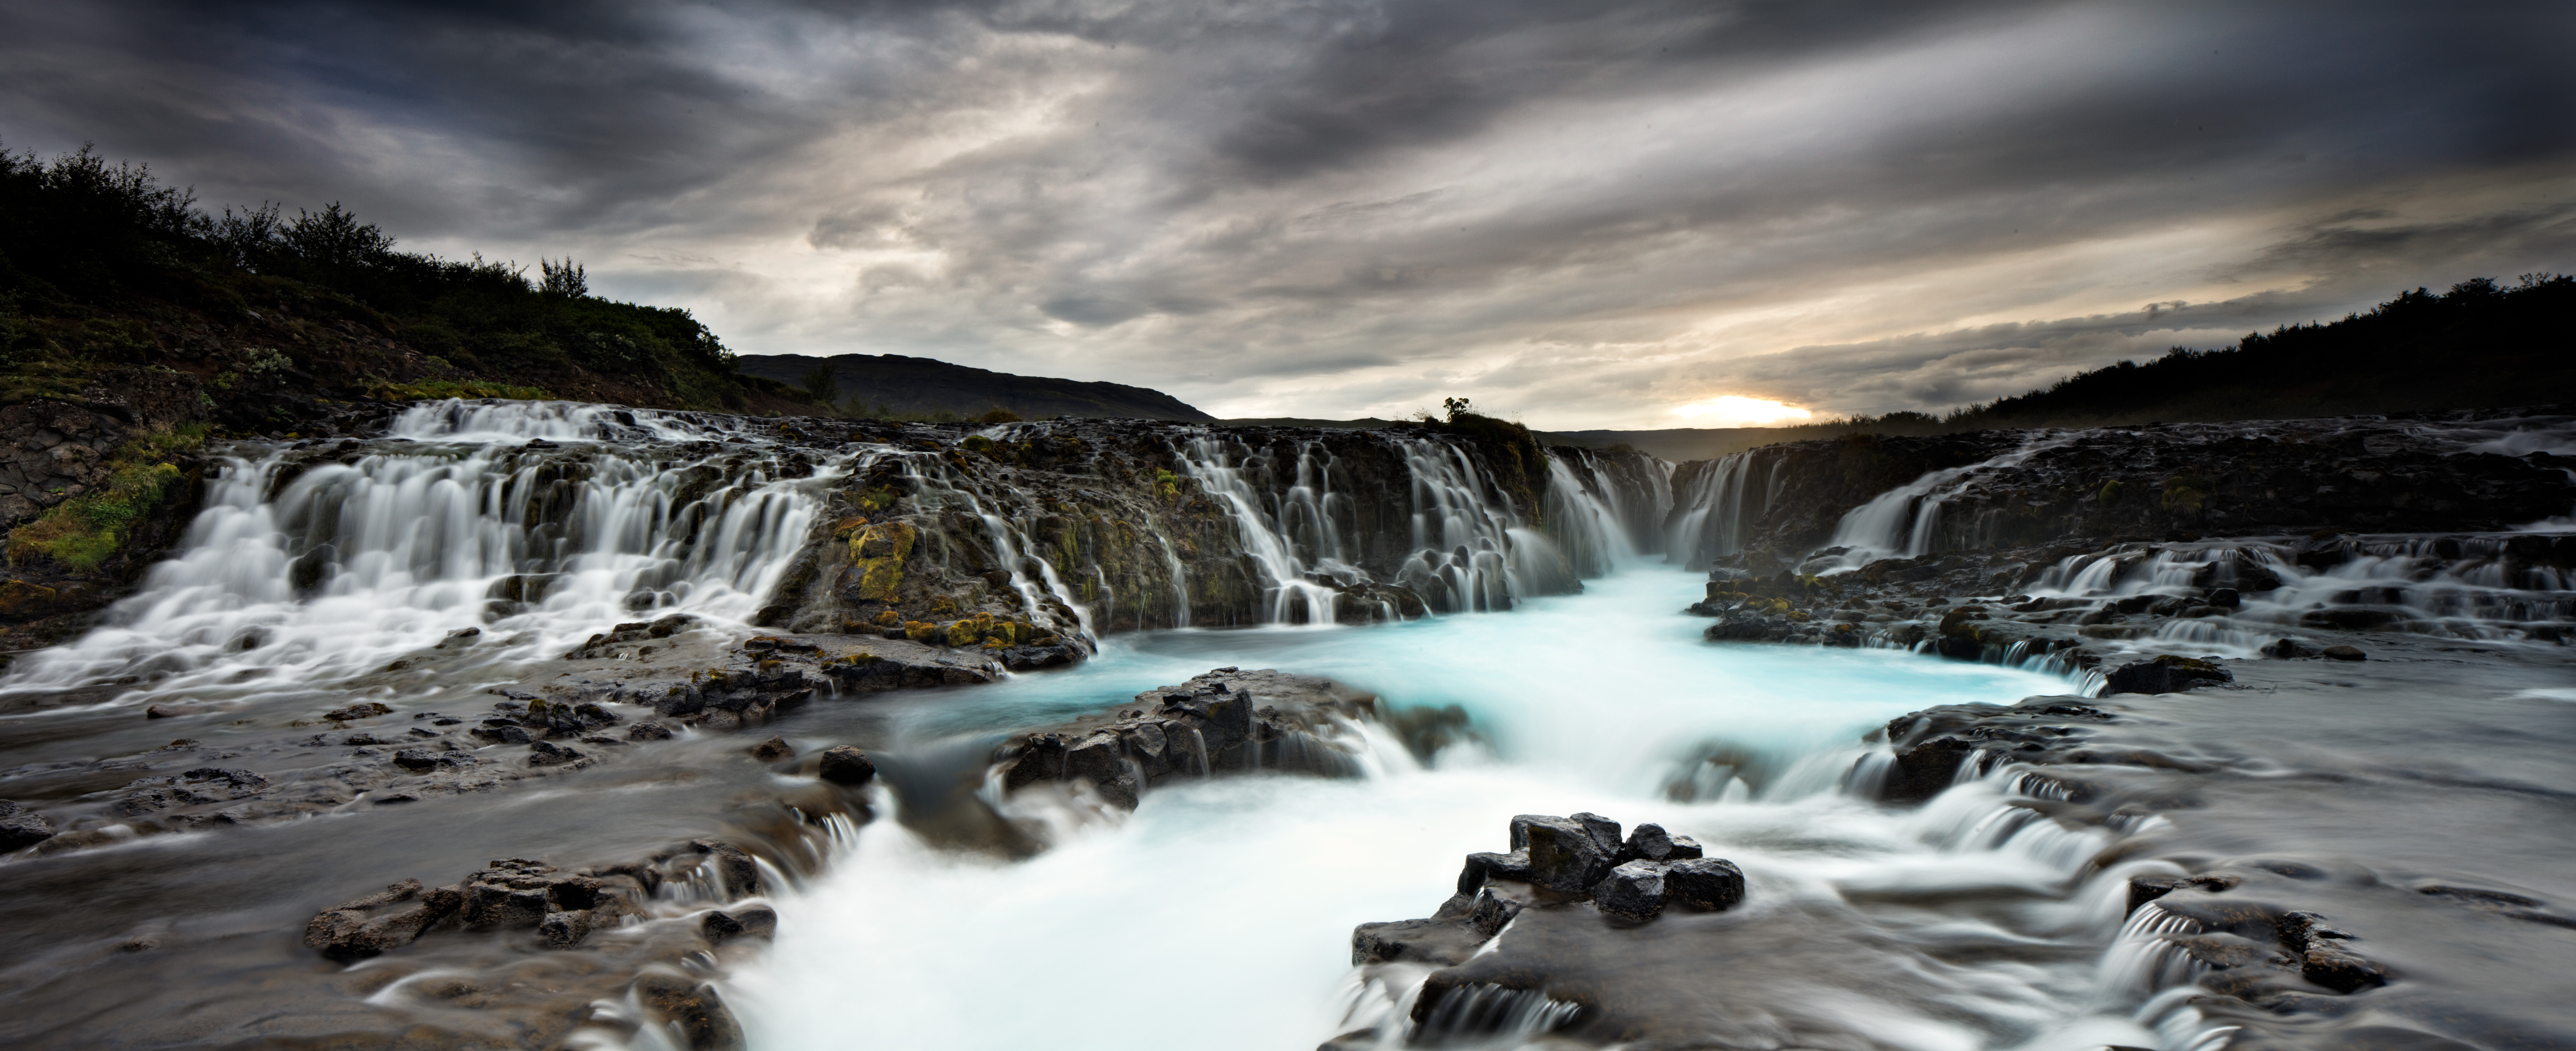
point(558, 791)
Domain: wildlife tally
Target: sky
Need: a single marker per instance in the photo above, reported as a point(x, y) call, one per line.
point(1606, 214)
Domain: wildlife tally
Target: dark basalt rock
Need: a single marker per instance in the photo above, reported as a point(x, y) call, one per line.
point(1925, 770)
point(845, 765)
point(2166, 674)
point(1566, 855)
point(1558, 861)
point(1706, 884)
point(21, 827)
point(1223, 722)
point(1633, 891)
point(1652, 843)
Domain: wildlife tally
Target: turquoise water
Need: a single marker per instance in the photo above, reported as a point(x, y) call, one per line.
point(1219, 913)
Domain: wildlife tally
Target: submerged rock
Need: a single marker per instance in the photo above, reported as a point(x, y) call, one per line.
point(380, 922)
point(2166, 674)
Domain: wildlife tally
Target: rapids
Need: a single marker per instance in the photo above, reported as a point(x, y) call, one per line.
point(1558, 664)
point(1219, 913)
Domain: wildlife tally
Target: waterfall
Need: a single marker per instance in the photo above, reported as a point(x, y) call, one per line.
point(537, 522)
point(1710, 518)
point(1905, 522)
point(1606, 512)
point(1288, 532)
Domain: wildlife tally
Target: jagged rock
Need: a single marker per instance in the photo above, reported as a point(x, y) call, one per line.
point(21, 827)
point(1706, 884)
point(845, 765)
point(1565, 855)
point(773, 750)
point(563, 930)
point(1633, 891)
point(2165, 674)
point(1222, 722)
point(379, 922)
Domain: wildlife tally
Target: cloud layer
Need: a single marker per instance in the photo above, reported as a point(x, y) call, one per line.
point(1584, 215)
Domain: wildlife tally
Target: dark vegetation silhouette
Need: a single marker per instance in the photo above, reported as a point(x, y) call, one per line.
point(103, 267)
point(2480, 345)
point(897, 387)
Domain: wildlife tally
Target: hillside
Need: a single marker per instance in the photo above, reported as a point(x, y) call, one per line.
point(2480, 345)
point(894, 386)
point(111, 281)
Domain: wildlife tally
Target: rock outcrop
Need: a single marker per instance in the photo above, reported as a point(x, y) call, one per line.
point(1224, 722)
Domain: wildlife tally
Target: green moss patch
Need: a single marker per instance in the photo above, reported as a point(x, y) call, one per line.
point(85, 531)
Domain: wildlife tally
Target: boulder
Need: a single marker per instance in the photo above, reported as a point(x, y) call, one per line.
point(2165, 674)
point(1633, 891)
point(21, 828)
point(845, 765)
point(1653, 844)
point(1566, 855)
point(758, 921)
point(773, 750)
point(2343, 653)
point(1706, 884)
point(648, 730)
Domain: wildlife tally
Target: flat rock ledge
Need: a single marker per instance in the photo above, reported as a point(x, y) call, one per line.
point(1228, 721)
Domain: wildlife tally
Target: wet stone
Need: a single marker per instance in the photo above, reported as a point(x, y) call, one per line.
point(1634, 891)
point(845, 765)
point(1706, 884)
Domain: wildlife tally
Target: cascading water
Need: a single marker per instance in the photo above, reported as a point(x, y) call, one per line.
point(1905, 522)
point(537, 522)
point(1234, 899)
point(1710, 517)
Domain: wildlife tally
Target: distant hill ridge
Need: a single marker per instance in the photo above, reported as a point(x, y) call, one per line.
point(893, 385)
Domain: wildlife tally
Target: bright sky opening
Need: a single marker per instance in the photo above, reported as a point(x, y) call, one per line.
point(1736, 410)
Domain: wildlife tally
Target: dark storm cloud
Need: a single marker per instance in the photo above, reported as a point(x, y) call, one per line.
point(1583, 212)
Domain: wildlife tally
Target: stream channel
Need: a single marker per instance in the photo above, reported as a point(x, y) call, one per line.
point(1219, 913)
